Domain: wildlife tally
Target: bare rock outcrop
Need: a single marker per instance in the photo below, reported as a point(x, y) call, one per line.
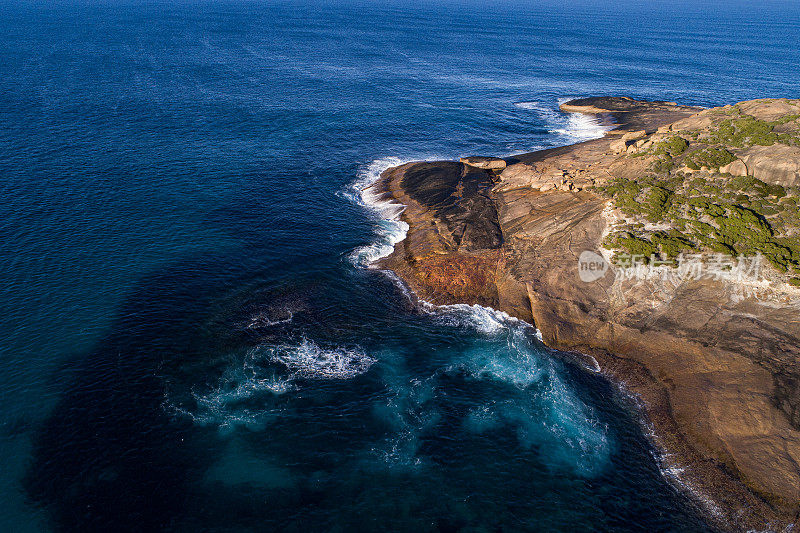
point(770, 109)
point(777, 164)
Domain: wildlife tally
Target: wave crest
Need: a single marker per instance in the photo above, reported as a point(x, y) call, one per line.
point(484, 320)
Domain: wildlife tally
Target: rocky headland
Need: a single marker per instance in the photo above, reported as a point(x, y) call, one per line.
point(715, 360)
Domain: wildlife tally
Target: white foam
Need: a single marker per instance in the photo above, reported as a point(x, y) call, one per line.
point(308, 360)
point(246, 392)
point(359, 192)
point(568, 426)
point(262, 320)
point(227, 405)
point(408, 415)
point(482, 319)
point(671, 466)
point(546, 412)
point(582, 127)
point(389, 228)
point(517, 361)
point(570, 127)
point(389, 233)
point(576, 438)
point(530, 106)
point(501, 367)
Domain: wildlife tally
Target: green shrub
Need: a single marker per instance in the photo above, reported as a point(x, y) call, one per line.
point(722, 214)
point(712, 158)
point(656, 203)
point(633, 245)
point(672, 245)
point(673, 146)
point(744, 131)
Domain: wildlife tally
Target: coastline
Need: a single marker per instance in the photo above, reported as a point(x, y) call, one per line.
point(386, 206)
point(442, 270)
point(670, 466)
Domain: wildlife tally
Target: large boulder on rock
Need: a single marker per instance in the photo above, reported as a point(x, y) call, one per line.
point(736, 168)
point(619, 146)
point(696, 122)
point(778, 164)
point(634, 135)
point(486, 163)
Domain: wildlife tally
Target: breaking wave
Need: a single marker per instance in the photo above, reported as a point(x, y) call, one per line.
point(544, 411)
point(484, 320)
point(389, 228)
point(581, 127)
point(569, 127)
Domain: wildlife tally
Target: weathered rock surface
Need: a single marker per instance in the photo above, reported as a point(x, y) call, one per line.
point(718, 371)
point(484, 163)
point(778, 164)
point(737, 168)
point(770, 109)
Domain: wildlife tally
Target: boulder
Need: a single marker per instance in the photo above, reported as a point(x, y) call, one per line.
point(698, 121)
point(486, 163)
point(634, 135)
point(737, 168)
point(778, 164)
point(620, 145)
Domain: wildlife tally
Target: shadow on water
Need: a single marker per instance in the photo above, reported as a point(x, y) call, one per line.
point(109, 455)
point(112, 456)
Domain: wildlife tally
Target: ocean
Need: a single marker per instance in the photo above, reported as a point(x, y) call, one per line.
point(192, 338)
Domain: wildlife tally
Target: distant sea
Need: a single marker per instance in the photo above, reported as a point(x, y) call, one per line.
point(191, 340)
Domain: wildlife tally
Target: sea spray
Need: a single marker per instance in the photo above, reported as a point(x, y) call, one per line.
point(482, 319)
point(310, 361)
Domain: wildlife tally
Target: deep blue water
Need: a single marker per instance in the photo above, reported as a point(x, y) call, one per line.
point(189, 341)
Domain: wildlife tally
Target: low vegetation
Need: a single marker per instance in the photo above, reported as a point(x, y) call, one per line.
point(710, 157)
point(743, 130)
point(684, 204)
point(674, 214)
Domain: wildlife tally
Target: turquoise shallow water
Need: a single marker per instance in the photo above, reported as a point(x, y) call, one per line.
point(189, 338)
